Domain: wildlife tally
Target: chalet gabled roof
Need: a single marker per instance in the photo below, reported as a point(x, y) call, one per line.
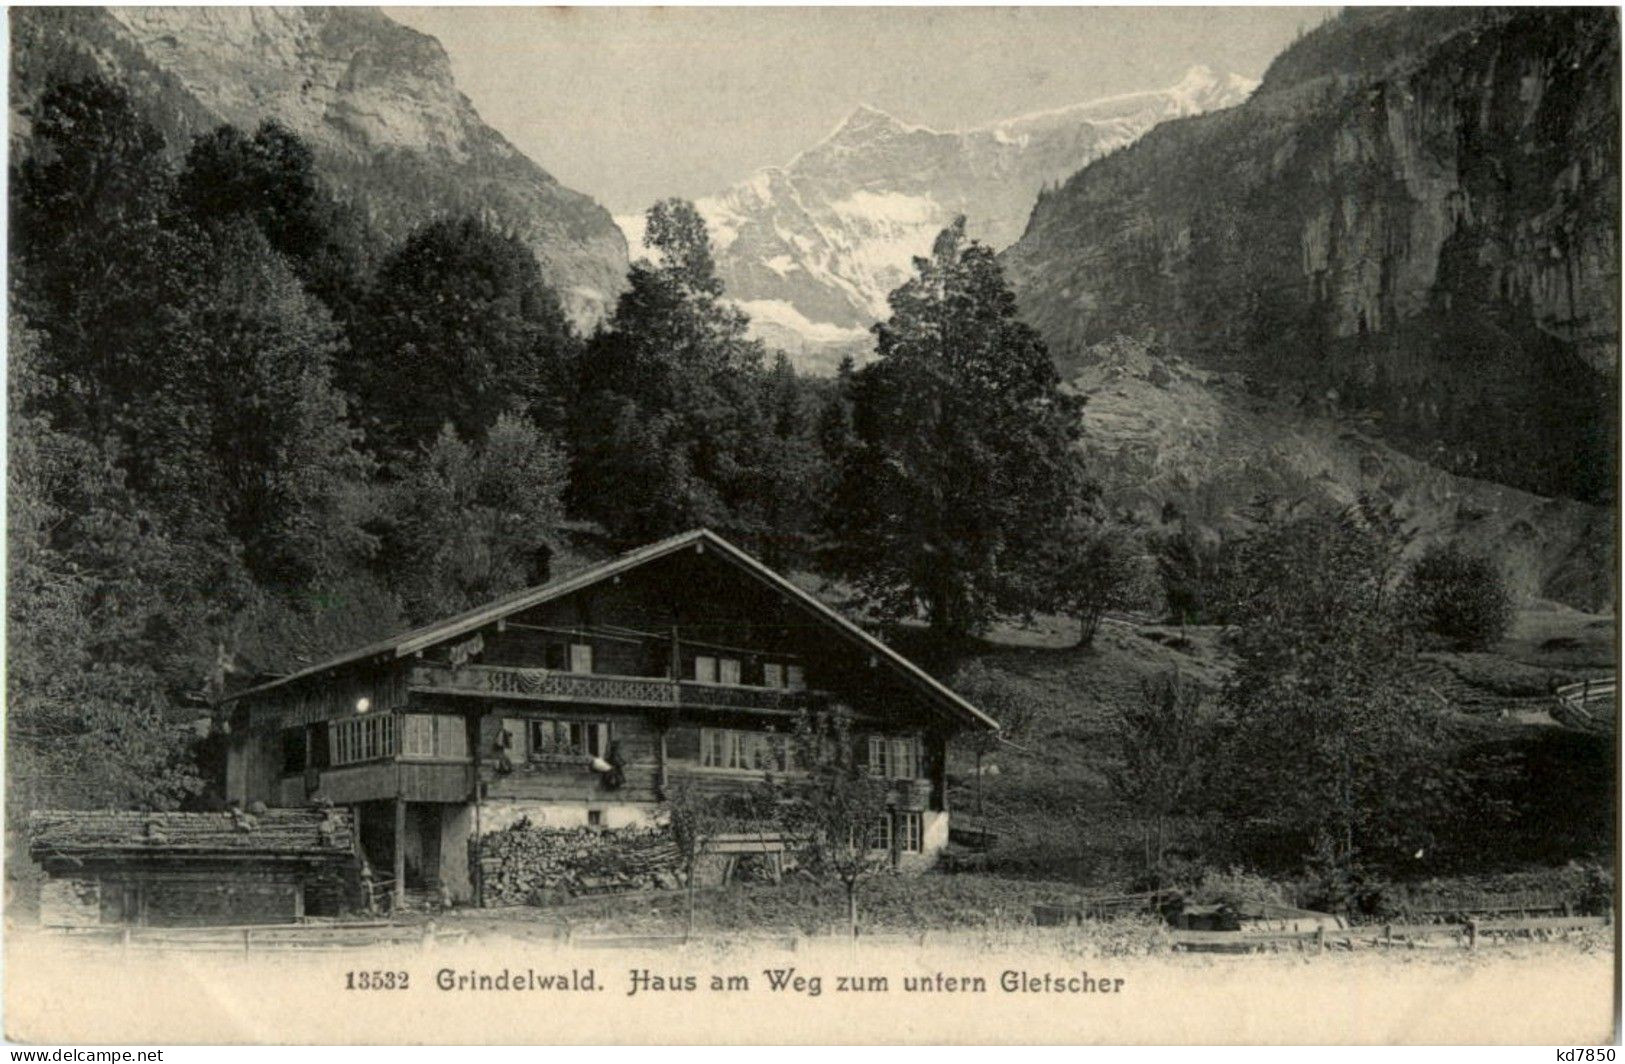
point(409, 643)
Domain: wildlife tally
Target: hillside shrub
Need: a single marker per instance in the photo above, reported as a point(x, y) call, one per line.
point(1460, 597)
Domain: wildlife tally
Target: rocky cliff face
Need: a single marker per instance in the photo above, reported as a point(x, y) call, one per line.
point(812, 249)
point(374, 100)
point(1416, 215)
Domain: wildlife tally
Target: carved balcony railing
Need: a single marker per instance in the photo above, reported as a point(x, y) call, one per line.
point(550, 685)
point(547, 685)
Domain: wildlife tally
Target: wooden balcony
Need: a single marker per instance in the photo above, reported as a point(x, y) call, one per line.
point(413, 780)
point(911, 794)
point(728, 696)
point(552, 685)
point(544, 685)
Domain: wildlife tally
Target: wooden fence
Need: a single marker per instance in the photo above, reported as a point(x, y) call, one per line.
point(252, 938)
point(1587, 704)
point(316, 938)
point(1468, 934)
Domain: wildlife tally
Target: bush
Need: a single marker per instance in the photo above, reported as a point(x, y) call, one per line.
point(1461, 597)
point(1194, 571)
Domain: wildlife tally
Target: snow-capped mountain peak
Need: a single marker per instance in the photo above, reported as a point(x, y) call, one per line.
point(812, 248)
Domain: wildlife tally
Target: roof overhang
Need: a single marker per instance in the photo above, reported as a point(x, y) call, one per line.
point(412, 642)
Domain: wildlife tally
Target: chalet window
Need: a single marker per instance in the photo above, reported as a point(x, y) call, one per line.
point(880, 834)
point(879, 757)
point(362, 739)
point(588, 737)
point(450, 736)
point(894, 759)
point(433, 735)
point(711, 669)
point(772, 674)
point(580, 657)
point(417, 735)
point(910, 832)
point(718, 749)
point(595, 818)
point(795, 678)
point(743, 751)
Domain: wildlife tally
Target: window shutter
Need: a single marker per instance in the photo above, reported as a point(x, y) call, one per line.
point(451, 737)
point(728, 671)
point(417, 737)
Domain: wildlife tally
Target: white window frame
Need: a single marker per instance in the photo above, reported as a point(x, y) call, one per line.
point(730, 672)
point(911, 832)
point(731, 750)
point(896, 757)
point(570, 736)
point(772, 674)
point(705, 668)
point(879, 753)
point(880, 834)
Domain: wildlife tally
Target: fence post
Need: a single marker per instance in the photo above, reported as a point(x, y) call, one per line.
point(246, 933)
point(1320, 939)
point(1388, 936)
point(1472, 933)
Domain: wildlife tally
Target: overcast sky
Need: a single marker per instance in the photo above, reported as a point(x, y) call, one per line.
point(632, 104)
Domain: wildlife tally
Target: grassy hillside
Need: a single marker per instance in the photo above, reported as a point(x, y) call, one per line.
point(1048, 798)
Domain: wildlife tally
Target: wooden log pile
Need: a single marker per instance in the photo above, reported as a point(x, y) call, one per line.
point(525, 865)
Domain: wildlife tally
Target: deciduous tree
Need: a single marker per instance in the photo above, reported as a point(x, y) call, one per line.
point(1333, 747)
point(837, 809)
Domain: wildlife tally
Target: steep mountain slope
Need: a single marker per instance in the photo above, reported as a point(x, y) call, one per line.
point(1416, 215)
point(811, 249)
point(1171, 441)
point(374, 100)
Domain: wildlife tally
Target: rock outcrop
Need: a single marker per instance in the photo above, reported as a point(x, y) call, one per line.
point(374, 100)
point(1416, 216)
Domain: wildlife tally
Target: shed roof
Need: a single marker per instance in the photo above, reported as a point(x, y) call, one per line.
point(408, 643)
point(275, 832)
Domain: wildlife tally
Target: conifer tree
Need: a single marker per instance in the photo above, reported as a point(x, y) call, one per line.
point(964, 468)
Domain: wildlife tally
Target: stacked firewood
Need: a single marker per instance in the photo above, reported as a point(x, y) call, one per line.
point(527, 865)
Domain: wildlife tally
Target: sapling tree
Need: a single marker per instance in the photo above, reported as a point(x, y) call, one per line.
point(694, 819)
point(1160, 741)
point(836, 812)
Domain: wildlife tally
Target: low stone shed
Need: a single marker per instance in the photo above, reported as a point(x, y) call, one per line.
point(192, 869)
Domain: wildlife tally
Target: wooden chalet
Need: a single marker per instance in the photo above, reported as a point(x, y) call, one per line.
point(575, 703)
